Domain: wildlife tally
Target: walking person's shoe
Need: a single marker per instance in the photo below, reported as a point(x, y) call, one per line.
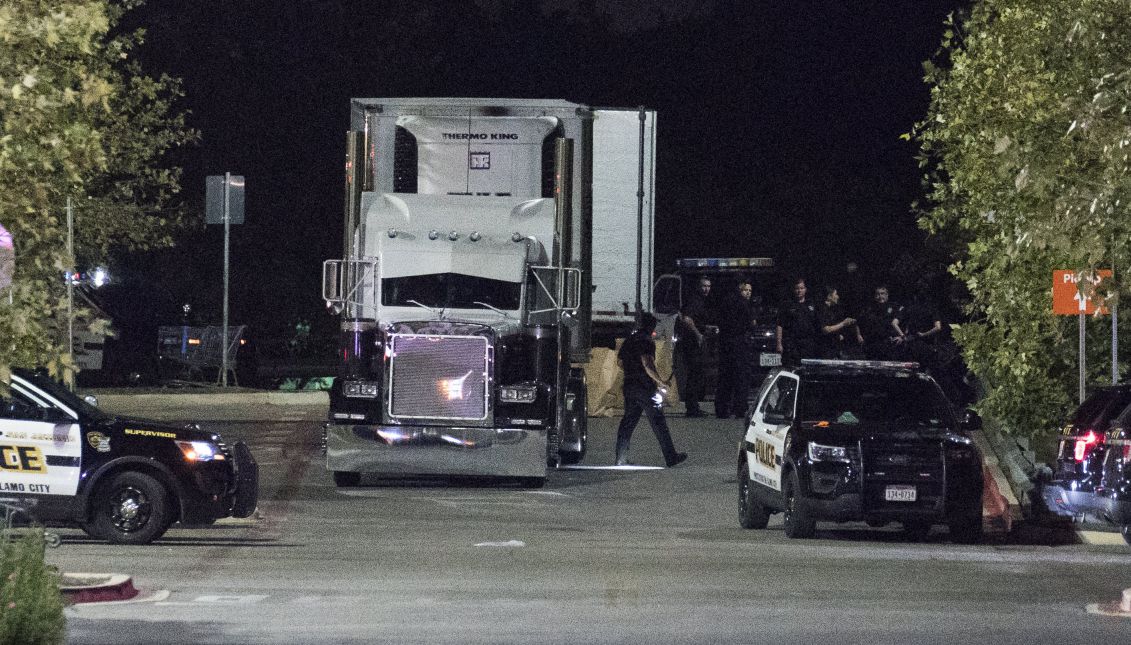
point(677, 459)
point(694, 411)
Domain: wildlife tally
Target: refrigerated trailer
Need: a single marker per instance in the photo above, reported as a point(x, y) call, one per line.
point(487, 243)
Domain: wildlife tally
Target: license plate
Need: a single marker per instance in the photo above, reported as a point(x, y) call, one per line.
point(769, 360)
point(899, 494)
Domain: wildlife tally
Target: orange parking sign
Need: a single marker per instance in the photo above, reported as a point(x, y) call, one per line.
point(1066, 297)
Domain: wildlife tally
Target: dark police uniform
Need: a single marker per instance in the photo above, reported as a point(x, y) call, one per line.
point(835, 344)
point(798, 322)
point(875, 326)
point(689, 353)
point(733, 385)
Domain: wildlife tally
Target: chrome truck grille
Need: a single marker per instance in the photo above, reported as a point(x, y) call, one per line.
point(438, 377)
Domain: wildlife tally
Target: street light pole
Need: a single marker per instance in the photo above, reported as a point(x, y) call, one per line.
point(70, 280)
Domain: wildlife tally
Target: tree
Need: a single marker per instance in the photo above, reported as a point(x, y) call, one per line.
point(1026, 147)
point(78, 120)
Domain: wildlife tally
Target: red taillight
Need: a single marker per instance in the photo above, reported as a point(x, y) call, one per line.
point(1084, 445)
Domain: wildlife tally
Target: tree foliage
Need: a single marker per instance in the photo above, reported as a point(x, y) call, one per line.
point(1026, 144)
point(78, 120)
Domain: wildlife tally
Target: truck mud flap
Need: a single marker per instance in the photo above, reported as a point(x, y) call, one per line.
point(247, 481)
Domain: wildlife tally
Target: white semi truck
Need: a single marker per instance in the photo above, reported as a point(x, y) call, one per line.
point(488, 244)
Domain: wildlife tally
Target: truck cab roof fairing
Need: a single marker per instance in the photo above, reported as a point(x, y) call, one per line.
point(488, 258)
point(494, 219)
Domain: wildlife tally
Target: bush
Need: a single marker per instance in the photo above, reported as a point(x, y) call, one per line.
point(31, 607)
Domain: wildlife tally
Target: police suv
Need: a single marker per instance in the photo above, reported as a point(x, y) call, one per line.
point(859, 440)
point(126, 481)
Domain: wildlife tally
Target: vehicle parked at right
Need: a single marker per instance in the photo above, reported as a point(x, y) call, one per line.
point(1092, 475)
point(847, 441)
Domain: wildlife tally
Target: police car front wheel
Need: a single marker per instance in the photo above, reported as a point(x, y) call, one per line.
point(130, 508)
point(751, 513)
point(797, 521)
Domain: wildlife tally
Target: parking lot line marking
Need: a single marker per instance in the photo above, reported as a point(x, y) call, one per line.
point(230, 600)
point(509, 544)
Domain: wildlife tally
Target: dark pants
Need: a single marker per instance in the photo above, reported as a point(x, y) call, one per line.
point(734, 378)
point(689, 373)
point(637, 402)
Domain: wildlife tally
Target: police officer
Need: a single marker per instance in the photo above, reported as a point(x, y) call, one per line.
point(691, 332)
point(877, 324)
point(797, 326)
point(644, 393)
point(736, 317)
point(839, 334)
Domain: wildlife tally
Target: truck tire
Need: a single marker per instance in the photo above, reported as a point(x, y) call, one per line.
point(130, 508)
point(346, 479)
point(798, 523)
point(751, 513)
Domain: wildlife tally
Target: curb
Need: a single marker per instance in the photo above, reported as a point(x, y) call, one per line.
point(97, 587)
point(999, 502)
point(1120, 608)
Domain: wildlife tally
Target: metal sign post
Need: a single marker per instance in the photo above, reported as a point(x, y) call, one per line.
point(224, 205)
point(1068, 299)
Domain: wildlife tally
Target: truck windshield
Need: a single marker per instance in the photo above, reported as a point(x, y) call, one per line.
point(874, 401)
point(450, 291)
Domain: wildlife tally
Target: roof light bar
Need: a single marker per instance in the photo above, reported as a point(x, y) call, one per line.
point(724, 263)
point(907, 365)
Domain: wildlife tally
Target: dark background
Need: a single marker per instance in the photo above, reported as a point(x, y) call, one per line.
point(778, 130)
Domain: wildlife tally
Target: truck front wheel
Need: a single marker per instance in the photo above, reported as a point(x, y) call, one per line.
point(131, 508)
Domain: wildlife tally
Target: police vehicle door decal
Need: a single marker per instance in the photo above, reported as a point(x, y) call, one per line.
point(765, 439)
point(39, 458)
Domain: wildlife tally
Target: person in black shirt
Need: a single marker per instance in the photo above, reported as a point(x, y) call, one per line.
point(797, 327)
point(735, 321)
point(691, 331)
point(644, 393)
point(922, 328)
point(877, 325)
point(839, 334)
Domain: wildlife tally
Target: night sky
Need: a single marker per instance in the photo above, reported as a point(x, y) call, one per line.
point(779, 124)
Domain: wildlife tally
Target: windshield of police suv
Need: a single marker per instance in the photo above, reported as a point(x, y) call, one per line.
point(879, 401)
point(57, 391)
point(450, 291)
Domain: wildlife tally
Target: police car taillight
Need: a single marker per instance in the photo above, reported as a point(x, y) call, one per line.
point(1085, 444)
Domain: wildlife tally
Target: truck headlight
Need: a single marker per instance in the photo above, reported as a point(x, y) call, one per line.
point(200, 451)
point(818, 452)
point(360, 389)
point(518, 393)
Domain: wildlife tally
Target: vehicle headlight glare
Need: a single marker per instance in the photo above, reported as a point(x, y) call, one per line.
point(818, 452)
point(200, 451)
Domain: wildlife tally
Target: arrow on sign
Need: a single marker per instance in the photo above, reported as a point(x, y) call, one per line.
point(1081, 301)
